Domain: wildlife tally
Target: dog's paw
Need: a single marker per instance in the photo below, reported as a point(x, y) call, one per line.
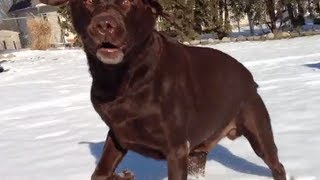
point(126, 175)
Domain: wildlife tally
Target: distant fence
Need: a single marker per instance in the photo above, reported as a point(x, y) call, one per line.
point(9, 40)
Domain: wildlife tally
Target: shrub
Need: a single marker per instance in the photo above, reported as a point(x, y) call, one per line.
point(39, 33)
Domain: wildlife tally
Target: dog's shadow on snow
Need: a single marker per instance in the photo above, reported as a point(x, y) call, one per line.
point(149, 169)
point(314, 66)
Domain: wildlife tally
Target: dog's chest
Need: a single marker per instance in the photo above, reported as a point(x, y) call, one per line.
point(135, 119)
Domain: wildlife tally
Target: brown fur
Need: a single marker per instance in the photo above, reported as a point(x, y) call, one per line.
point(166, 100)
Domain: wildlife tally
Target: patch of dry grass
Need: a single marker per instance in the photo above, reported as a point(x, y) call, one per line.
point(39, 33)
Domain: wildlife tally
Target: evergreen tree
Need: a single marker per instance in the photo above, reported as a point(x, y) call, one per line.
point(216, 20)
point(237, 10)
point(66, 24)
point(201, 16)
point(253, 9)
point(183, 13)
point(193, 17)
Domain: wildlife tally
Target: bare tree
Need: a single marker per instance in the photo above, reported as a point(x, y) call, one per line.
point(272, 15)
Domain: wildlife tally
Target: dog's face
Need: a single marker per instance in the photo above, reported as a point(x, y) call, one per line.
point(110, 29)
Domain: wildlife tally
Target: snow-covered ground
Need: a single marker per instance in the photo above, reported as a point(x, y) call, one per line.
point(48, 129)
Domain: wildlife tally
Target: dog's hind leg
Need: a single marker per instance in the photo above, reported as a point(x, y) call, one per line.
point(196, 163)
point(256, 127)
point(111, 156)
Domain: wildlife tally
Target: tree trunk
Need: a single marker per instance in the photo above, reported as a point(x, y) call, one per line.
point(291, 14)
point(227, 25)
point(272, 14)
point(301, 12)
point(300, 8)
point(215, 11)
point(317, 8)
point(221, 8)
point(280, 11)
point(196, 16)
point(251, 25)
point(217, 18)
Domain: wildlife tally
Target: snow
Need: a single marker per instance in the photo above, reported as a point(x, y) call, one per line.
point(49, 129)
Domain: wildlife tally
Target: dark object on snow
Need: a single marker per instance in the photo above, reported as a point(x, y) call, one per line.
point(3, 61)
point(1, 69)
point(316, 21)
point(162, 99)
point(315, 65)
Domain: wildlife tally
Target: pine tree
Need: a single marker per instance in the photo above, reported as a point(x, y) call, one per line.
point(66, 25)
point(216, 20)
point(183, 25)
point(201, 15)
point(253, 9)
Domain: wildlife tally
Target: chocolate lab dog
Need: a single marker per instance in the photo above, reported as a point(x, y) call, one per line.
point(162, 99)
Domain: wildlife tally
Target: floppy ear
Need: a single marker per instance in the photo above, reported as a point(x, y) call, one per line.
point(54, 2)
point(156, 7)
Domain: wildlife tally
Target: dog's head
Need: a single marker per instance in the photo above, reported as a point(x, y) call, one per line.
point(110, 29)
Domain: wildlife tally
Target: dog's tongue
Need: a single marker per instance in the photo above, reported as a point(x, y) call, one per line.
point(109, 50)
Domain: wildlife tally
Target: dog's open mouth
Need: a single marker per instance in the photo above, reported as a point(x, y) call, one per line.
point(109, 46)
point(110, 53)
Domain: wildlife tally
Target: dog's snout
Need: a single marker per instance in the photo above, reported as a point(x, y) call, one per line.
point(105, 24)
point(107, 27)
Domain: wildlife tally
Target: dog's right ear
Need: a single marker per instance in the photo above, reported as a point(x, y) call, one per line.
point(54, 2)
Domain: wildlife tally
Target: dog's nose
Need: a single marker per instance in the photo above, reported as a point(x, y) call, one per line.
point(106, 24)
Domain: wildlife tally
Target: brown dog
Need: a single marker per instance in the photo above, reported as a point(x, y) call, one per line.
point(162, 99)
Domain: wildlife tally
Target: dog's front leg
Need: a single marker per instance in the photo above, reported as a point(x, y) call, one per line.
point(111, 156)
point(177, 160)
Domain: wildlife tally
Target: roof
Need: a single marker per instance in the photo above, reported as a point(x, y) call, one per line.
point(23, 5)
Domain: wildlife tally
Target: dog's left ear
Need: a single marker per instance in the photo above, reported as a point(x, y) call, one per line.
point(156, 7)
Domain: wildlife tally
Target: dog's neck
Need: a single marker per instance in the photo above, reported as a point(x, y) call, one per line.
point(108, 79)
